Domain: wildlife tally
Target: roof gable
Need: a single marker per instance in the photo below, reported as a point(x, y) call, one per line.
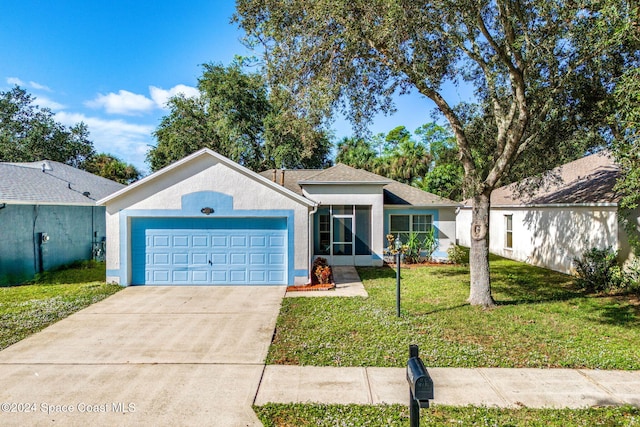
point(49, 182)
point(589, 180)
point(343, 174)
point(395, 193)
point(184, 163)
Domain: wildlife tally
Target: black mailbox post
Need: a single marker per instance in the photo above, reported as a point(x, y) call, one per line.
point(420, 386)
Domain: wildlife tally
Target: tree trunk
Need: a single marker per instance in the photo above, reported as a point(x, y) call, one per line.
point(480, 292)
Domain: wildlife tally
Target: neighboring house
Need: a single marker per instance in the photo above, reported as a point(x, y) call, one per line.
point(48, 217)
point(207, 220)
point(577, 211)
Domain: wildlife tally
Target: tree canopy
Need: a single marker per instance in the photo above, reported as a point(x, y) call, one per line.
point(237, 116)
point(538, 81)
point(113, 168)
point(425, 159)
point(29, 133)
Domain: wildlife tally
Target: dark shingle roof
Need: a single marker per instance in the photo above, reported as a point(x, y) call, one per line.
point(51, 182)
point(588, 180)
point(395, 193)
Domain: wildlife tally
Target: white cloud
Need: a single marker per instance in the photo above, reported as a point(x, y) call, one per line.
point(45, 102)
point(161, 96)
point(15, 81)
point(128, 141)
point(124, 102)
point(31, 84)
point(38, 86)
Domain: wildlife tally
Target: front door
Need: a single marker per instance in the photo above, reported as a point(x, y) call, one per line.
point(342, 244)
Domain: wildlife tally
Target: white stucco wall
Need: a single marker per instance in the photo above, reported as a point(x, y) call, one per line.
point(547, 236)
point(446, 228)
point(204, 173)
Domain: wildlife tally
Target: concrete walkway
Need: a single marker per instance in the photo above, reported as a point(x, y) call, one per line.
point(506, 388)
point(347, 282)
point(162, 356)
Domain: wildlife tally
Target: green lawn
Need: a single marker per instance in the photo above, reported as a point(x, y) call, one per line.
point(281, 415)
point(541, 321)
point(31, 307)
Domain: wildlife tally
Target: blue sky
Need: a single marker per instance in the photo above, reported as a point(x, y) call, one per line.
point(112, 64)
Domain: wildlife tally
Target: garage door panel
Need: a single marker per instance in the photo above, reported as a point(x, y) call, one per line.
point(200, 258)
point(180, 276)
point(238, 276)
point(276, 276)
point(219, 241)
point(277, 259)
point(219, 259)
point(200, 241)
point(258, 259)
point(181, 259)
point(238, 241)
point(219, 276)
point(276, 241)
point(258, 241)
point(200, 276)
point(161, 259)
point(238, 259)
point(161, 241)
point(209, 251)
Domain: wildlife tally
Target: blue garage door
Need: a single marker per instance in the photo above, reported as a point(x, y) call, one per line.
point(209, 251)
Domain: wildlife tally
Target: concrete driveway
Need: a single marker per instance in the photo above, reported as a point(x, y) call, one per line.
point(145, 356)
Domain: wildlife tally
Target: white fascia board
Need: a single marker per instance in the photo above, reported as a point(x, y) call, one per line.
point(433, 206)
point(40, 203)
point(551, 205)
point(380, 183)
point(222, 159)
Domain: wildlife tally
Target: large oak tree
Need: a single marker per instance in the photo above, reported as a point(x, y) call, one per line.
point(536, 80)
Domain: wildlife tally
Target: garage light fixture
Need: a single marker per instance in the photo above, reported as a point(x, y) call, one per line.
point(207, 211)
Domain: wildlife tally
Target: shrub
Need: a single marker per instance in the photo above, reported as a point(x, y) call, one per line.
point(458, 254)
point(632, 275)
point(598, 270)
point(321, 271)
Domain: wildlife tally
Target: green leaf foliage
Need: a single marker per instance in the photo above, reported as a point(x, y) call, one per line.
point(111, 167)
point(29, 133)
point(237, 116)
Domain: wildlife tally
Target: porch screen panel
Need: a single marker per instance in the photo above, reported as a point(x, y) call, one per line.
point(363, 230)
point(342, 236)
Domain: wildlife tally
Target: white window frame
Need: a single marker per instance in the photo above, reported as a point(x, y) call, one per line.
point(508, 231)
point(405, 233)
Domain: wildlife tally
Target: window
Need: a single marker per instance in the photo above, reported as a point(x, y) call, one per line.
point(324, 234)
point(508, 231)
point(404, 225)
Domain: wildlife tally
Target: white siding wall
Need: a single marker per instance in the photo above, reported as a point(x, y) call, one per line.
point(547, 236)
point(446, 228)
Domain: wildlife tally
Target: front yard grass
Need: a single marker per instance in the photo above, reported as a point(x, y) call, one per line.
point(541, 321)
point(299, 415)
point(33, 306)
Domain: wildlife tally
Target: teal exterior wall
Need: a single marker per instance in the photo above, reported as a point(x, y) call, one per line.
point(71, 230)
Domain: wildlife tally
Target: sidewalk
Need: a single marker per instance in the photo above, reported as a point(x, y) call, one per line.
point(500, 387)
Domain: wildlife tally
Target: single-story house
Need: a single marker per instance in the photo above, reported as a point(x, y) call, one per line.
point(208, 220)
point(48, 217)
point(576, 211)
